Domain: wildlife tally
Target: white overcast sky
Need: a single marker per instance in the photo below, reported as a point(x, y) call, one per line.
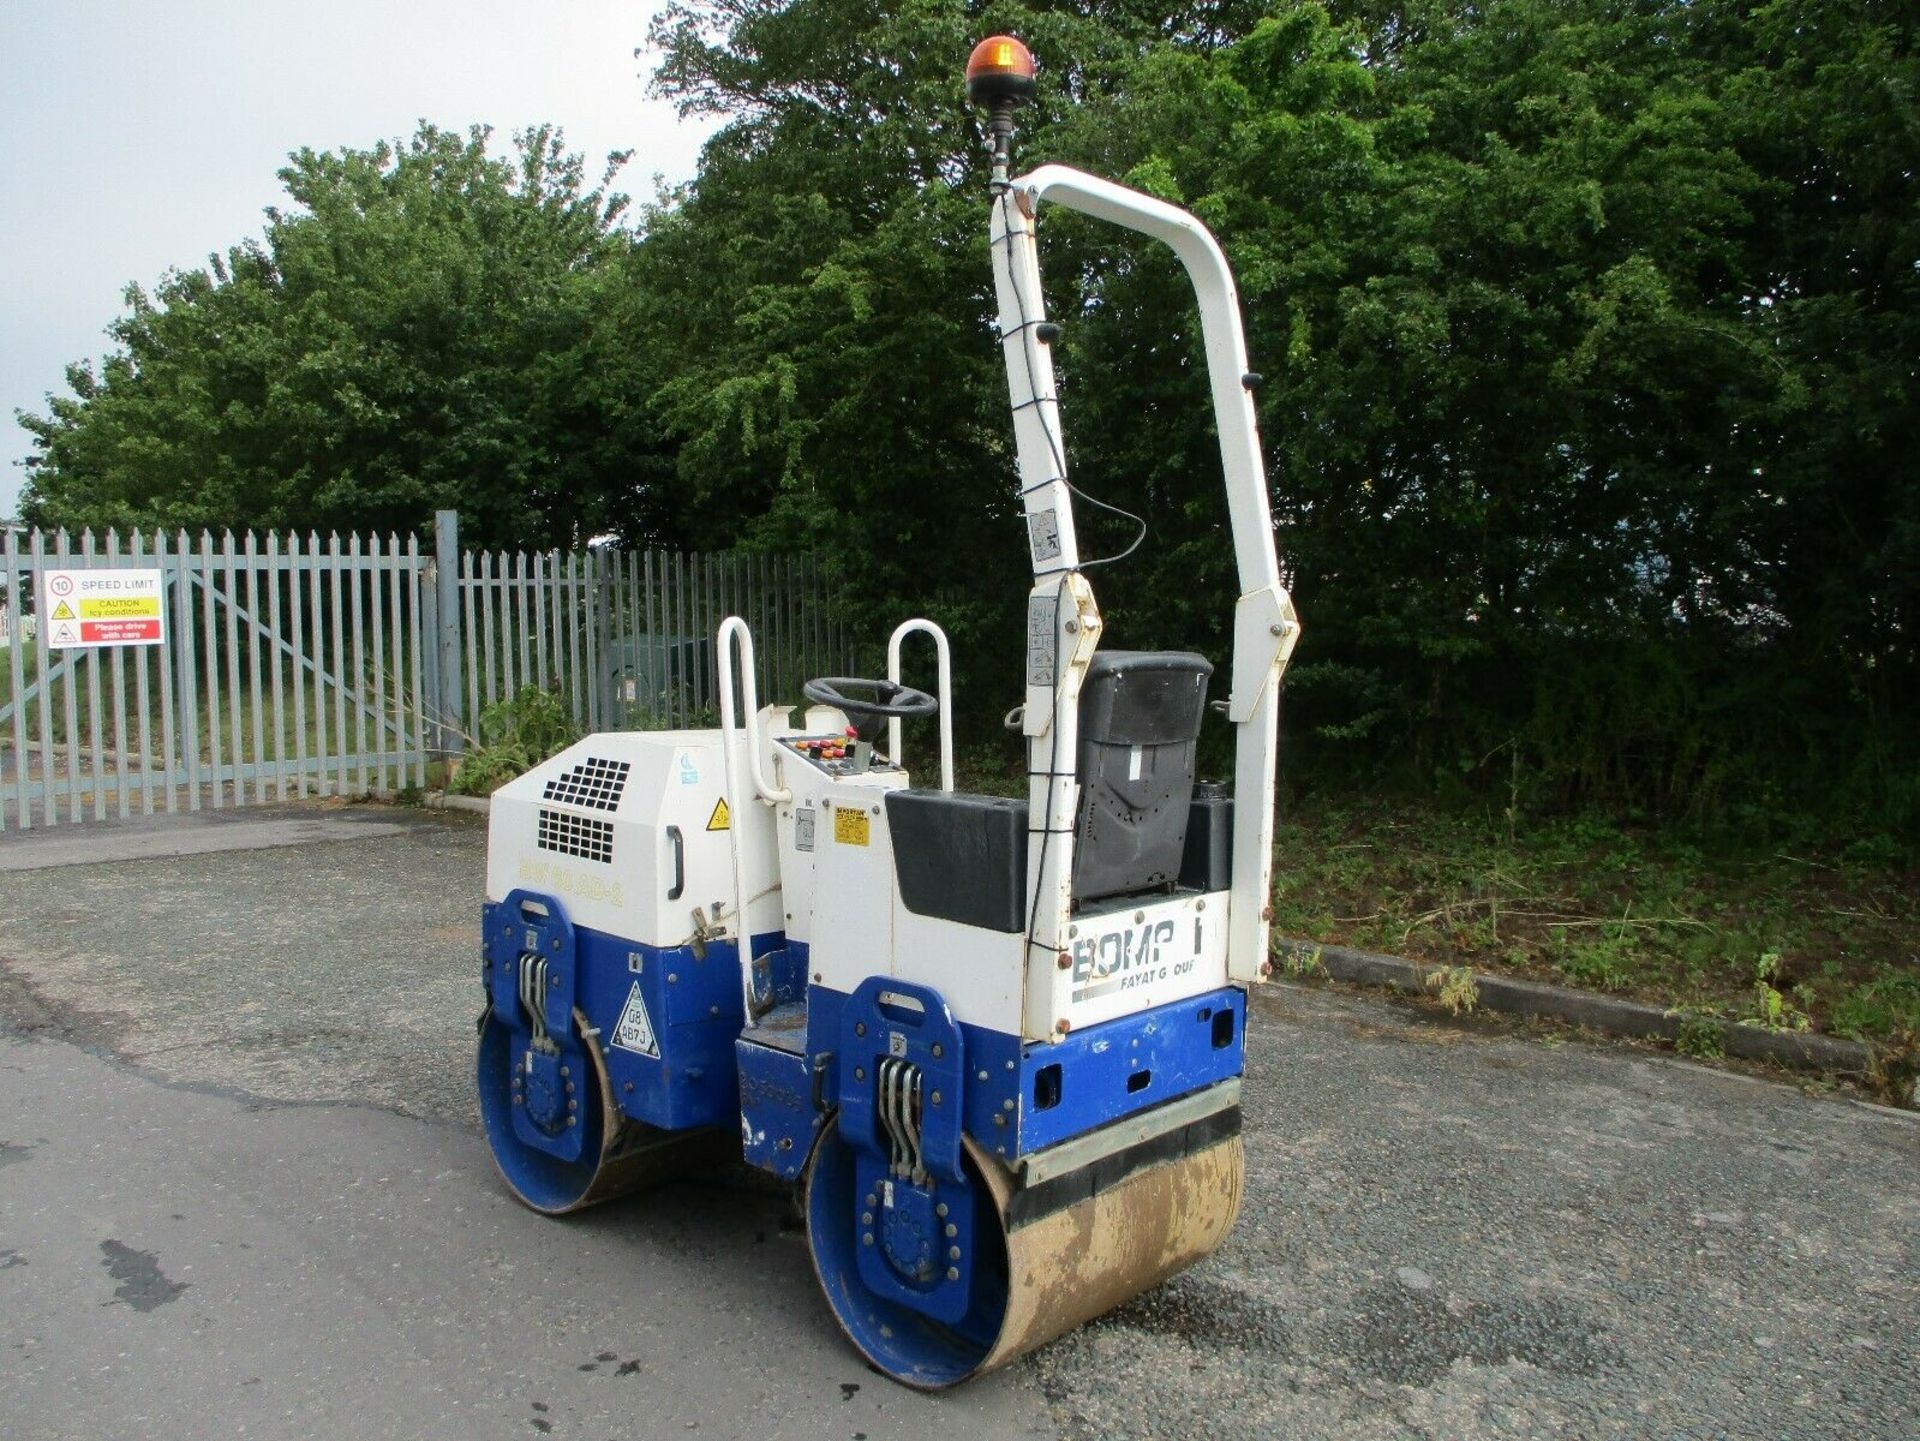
point(139, 135)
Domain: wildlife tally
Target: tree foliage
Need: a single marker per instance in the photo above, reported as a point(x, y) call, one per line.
point(1589, 328)
point(417, 330)
point(1589, 332)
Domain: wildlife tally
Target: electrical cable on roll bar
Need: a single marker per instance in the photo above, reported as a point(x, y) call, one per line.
point(1053, 441)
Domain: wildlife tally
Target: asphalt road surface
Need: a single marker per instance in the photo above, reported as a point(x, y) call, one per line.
point(242, 1193)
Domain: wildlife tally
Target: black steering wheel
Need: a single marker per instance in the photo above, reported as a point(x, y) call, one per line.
point(889, 701)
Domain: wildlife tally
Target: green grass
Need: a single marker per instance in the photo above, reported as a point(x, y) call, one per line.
point(1826, 940)
point(1829, 942)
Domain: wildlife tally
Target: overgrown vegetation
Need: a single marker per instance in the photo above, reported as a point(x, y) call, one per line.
point(1700, 1036)
point(1588, 326)
point(514, 735)
point(1455, 988)
point(1764, 937)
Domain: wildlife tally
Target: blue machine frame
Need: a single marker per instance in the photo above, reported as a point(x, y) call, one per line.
point(1012, 1097)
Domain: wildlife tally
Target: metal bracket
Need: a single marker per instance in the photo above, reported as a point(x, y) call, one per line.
point(902, 1076)
point(1264, 632)
point(702, 933)
point(886, 1019)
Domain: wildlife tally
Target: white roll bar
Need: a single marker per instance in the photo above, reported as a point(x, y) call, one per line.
point(734, 629)
point(944, 658)
point(1264, 625)
point(735, 635)
point(1224, 340)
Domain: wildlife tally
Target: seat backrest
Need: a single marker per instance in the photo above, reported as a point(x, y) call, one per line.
point(1140, 714)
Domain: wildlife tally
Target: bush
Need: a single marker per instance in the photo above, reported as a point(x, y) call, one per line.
point(516, 734)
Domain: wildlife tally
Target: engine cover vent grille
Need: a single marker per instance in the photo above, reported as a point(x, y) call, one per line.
point(594, 783)
point(580, 836)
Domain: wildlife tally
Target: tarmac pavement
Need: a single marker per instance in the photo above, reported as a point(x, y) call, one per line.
point(242, 1192)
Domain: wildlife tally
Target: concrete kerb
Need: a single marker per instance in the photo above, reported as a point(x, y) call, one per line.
point(1508, 995)
point(442, 801)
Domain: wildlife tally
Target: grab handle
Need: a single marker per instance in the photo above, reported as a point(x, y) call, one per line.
point(734, 634)
point(944, 658)
point(679, 844)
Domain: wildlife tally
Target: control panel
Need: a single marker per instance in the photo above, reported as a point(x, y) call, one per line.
point(838, 755)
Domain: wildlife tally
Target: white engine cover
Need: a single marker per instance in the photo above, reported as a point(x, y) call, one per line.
point(593, 827)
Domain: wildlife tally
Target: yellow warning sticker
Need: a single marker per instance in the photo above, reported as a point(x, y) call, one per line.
point(850, 827)
point(63, 611)
point(119, 607)
point(720, 820)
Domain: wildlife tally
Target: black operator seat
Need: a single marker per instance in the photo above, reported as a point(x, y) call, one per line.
point(963, 857)
point(1140, 713)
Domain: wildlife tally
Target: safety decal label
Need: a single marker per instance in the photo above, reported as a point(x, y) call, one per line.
point(720, 819)
point(803, 828)
point(689, 772)
point(1042, 611)
point(850, 826)
point(88, 608)
point(1043, 533)
point(635, 1031)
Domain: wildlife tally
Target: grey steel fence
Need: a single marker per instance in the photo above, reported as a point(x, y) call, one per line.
point(293, 668)
point(627, 637)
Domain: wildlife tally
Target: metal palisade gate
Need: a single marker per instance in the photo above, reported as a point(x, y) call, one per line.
point(283, 669)
point(272, 669)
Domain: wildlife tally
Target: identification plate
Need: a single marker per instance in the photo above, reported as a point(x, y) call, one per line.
point(1042, 613)
point(634, 1030)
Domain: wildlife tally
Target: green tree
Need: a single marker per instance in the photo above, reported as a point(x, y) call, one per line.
point(835, 379)
point(1588, 330)
point(1827, 100)
point(420, 329)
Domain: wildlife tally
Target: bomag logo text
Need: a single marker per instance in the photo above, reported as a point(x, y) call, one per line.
point(1123, 959)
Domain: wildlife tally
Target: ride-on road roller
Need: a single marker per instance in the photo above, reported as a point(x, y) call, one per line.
point(996, 1042)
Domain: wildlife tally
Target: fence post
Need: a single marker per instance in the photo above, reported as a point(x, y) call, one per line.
point(433, 735)
point(446, 548)
point(607, 598)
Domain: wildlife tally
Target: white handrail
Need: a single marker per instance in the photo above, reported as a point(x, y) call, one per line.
point(734, 633)
point(944, 659)
point(731, 629)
